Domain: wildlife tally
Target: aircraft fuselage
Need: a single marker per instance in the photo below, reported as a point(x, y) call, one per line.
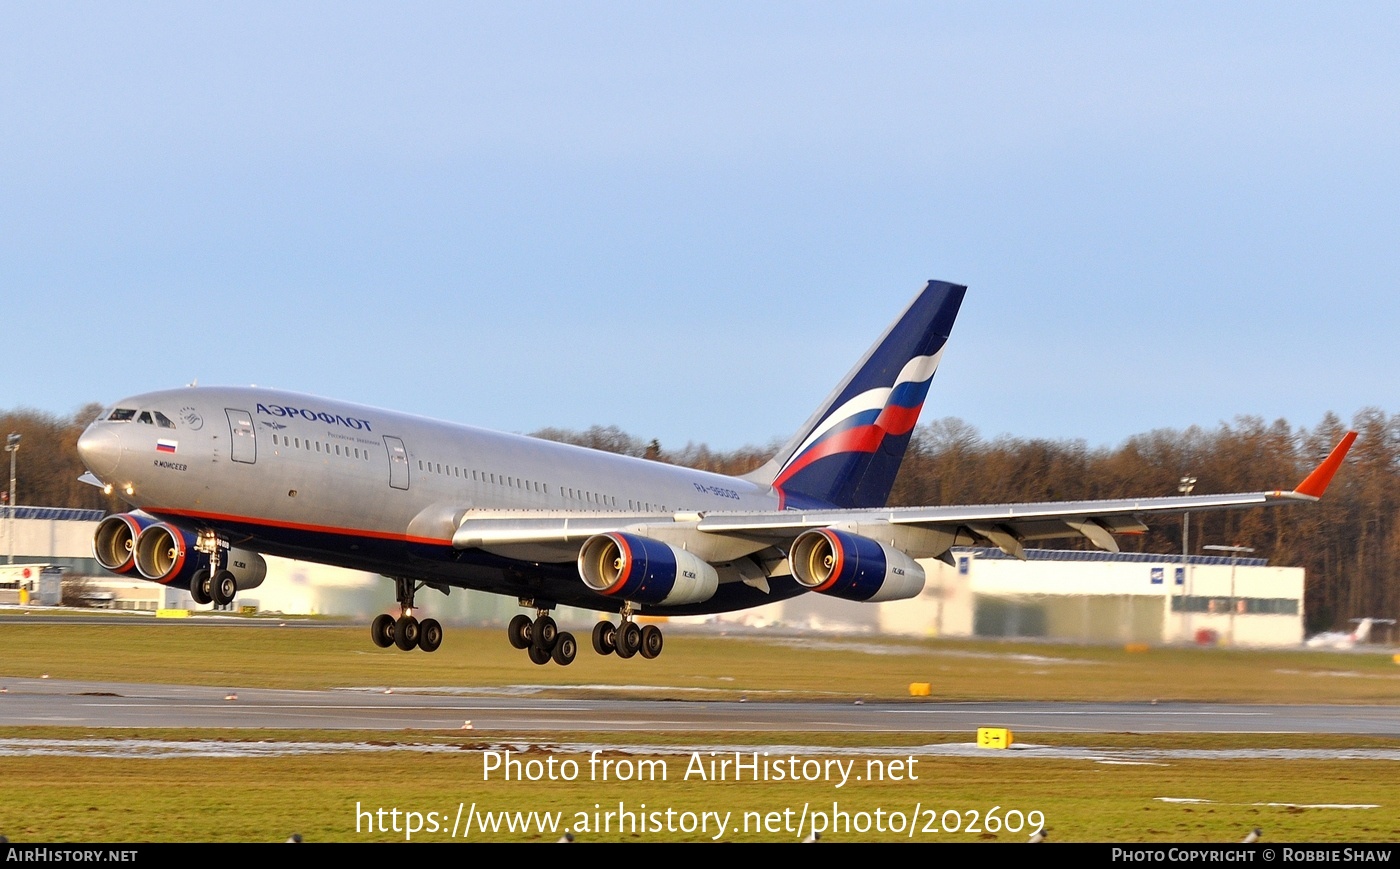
point(368, 489)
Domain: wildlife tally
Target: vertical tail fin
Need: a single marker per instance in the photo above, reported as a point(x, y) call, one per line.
point(1362, 634)
point(848, 452)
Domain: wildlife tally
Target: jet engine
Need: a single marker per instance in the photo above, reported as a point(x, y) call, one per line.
point(641, 570)
point(849, 566)
point(114, 544)
point(167, 555)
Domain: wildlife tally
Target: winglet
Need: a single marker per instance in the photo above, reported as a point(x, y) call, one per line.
point(1317, 481)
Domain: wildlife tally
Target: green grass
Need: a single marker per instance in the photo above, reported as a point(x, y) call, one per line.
point(814, 739)
point(265, 799)
point(704, 665)
point(60, 798)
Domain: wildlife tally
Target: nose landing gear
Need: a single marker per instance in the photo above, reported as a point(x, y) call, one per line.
point(223, 588)
point(214, 584)
point(200, 588)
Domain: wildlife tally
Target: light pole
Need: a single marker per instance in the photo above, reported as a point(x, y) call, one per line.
point(1185, 487)
point(1234, 557)
point(12, 447)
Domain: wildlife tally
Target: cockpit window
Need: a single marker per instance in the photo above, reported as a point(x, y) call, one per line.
point(163, 421)
point(121, 414)
point(145, 417)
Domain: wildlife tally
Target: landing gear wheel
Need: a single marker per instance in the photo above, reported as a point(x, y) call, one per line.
point(565, 648)
point(605, 638)
point(381, 630)
point(537, 656)
point(429, 635)
point(199, 587)
point(629, 639)
point(519, 631)
point(651, 641)
point(223, 588)
point(406, 632)
point(546, 633)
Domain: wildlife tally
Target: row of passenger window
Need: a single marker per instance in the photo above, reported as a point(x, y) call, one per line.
point(582, 495)
point(308, 444)
point(483, 477)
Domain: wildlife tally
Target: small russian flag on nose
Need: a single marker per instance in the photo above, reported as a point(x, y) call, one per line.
point(165, 446)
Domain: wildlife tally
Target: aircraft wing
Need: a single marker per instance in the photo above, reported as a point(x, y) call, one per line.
point(920, 532)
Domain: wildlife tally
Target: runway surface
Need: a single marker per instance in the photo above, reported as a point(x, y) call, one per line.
point(55, 702)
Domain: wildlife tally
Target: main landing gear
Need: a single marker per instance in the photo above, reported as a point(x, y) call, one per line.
point(627, 639)
point(541, 638)
point(406, 631)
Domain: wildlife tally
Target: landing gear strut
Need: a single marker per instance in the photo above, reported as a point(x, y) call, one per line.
point(627, 639)
point(406, 632)
point(541, 638)
point(215, 584)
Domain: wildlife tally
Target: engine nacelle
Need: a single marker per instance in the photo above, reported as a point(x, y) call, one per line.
point(167, 555)
point(114, 544)
point(247, 566)
point(849, 566)
point(642, 570)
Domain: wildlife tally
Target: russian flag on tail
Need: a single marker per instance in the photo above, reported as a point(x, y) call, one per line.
point(850, 450)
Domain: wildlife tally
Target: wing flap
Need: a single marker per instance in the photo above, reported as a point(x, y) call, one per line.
point(557, 537)
point(481, 531)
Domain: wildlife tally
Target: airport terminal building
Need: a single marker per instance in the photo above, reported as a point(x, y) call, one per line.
point(1106, 597)
point(1091, 597)
point(1073, 596)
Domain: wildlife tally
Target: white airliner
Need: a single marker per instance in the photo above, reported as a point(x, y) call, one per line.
point(220, 475)
point(1342, 640)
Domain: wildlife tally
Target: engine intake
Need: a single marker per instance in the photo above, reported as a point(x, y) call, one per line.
point(642, 570)
point(852, 567)
point(114, 544)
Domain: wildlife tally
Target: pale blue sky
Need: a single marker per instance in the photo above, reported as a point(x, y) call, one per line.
point(690, 220)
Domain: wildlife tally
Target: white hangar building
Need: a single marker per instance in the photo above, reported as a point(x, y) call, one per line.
point(1092, 597)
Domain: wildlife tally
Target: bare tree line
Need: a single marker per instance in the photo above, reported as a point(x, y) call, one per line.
point(1349, 544)
point(47, 467)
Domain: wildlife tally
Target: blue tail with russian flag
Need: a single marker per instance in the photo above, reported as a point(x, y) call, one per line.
point(848, 453)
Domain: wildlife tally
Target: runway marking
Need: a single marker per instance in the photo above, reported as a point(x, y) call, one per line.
point(145, 749)
point(510, 690)
point(1000, 711)
point(1195, 801)
point(1318, 805)
point(256, 706)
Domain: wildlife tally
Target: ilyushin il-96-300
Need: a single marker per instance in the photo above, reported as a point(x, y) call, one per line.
point(218, 477)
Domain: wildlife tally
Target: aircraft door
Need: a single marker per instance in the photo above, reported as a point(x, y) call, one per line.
point(242, 436)
point(398, 463)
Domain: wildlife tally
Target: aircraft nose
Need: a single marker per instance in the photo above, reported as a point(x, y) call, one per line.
point(101, 450)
